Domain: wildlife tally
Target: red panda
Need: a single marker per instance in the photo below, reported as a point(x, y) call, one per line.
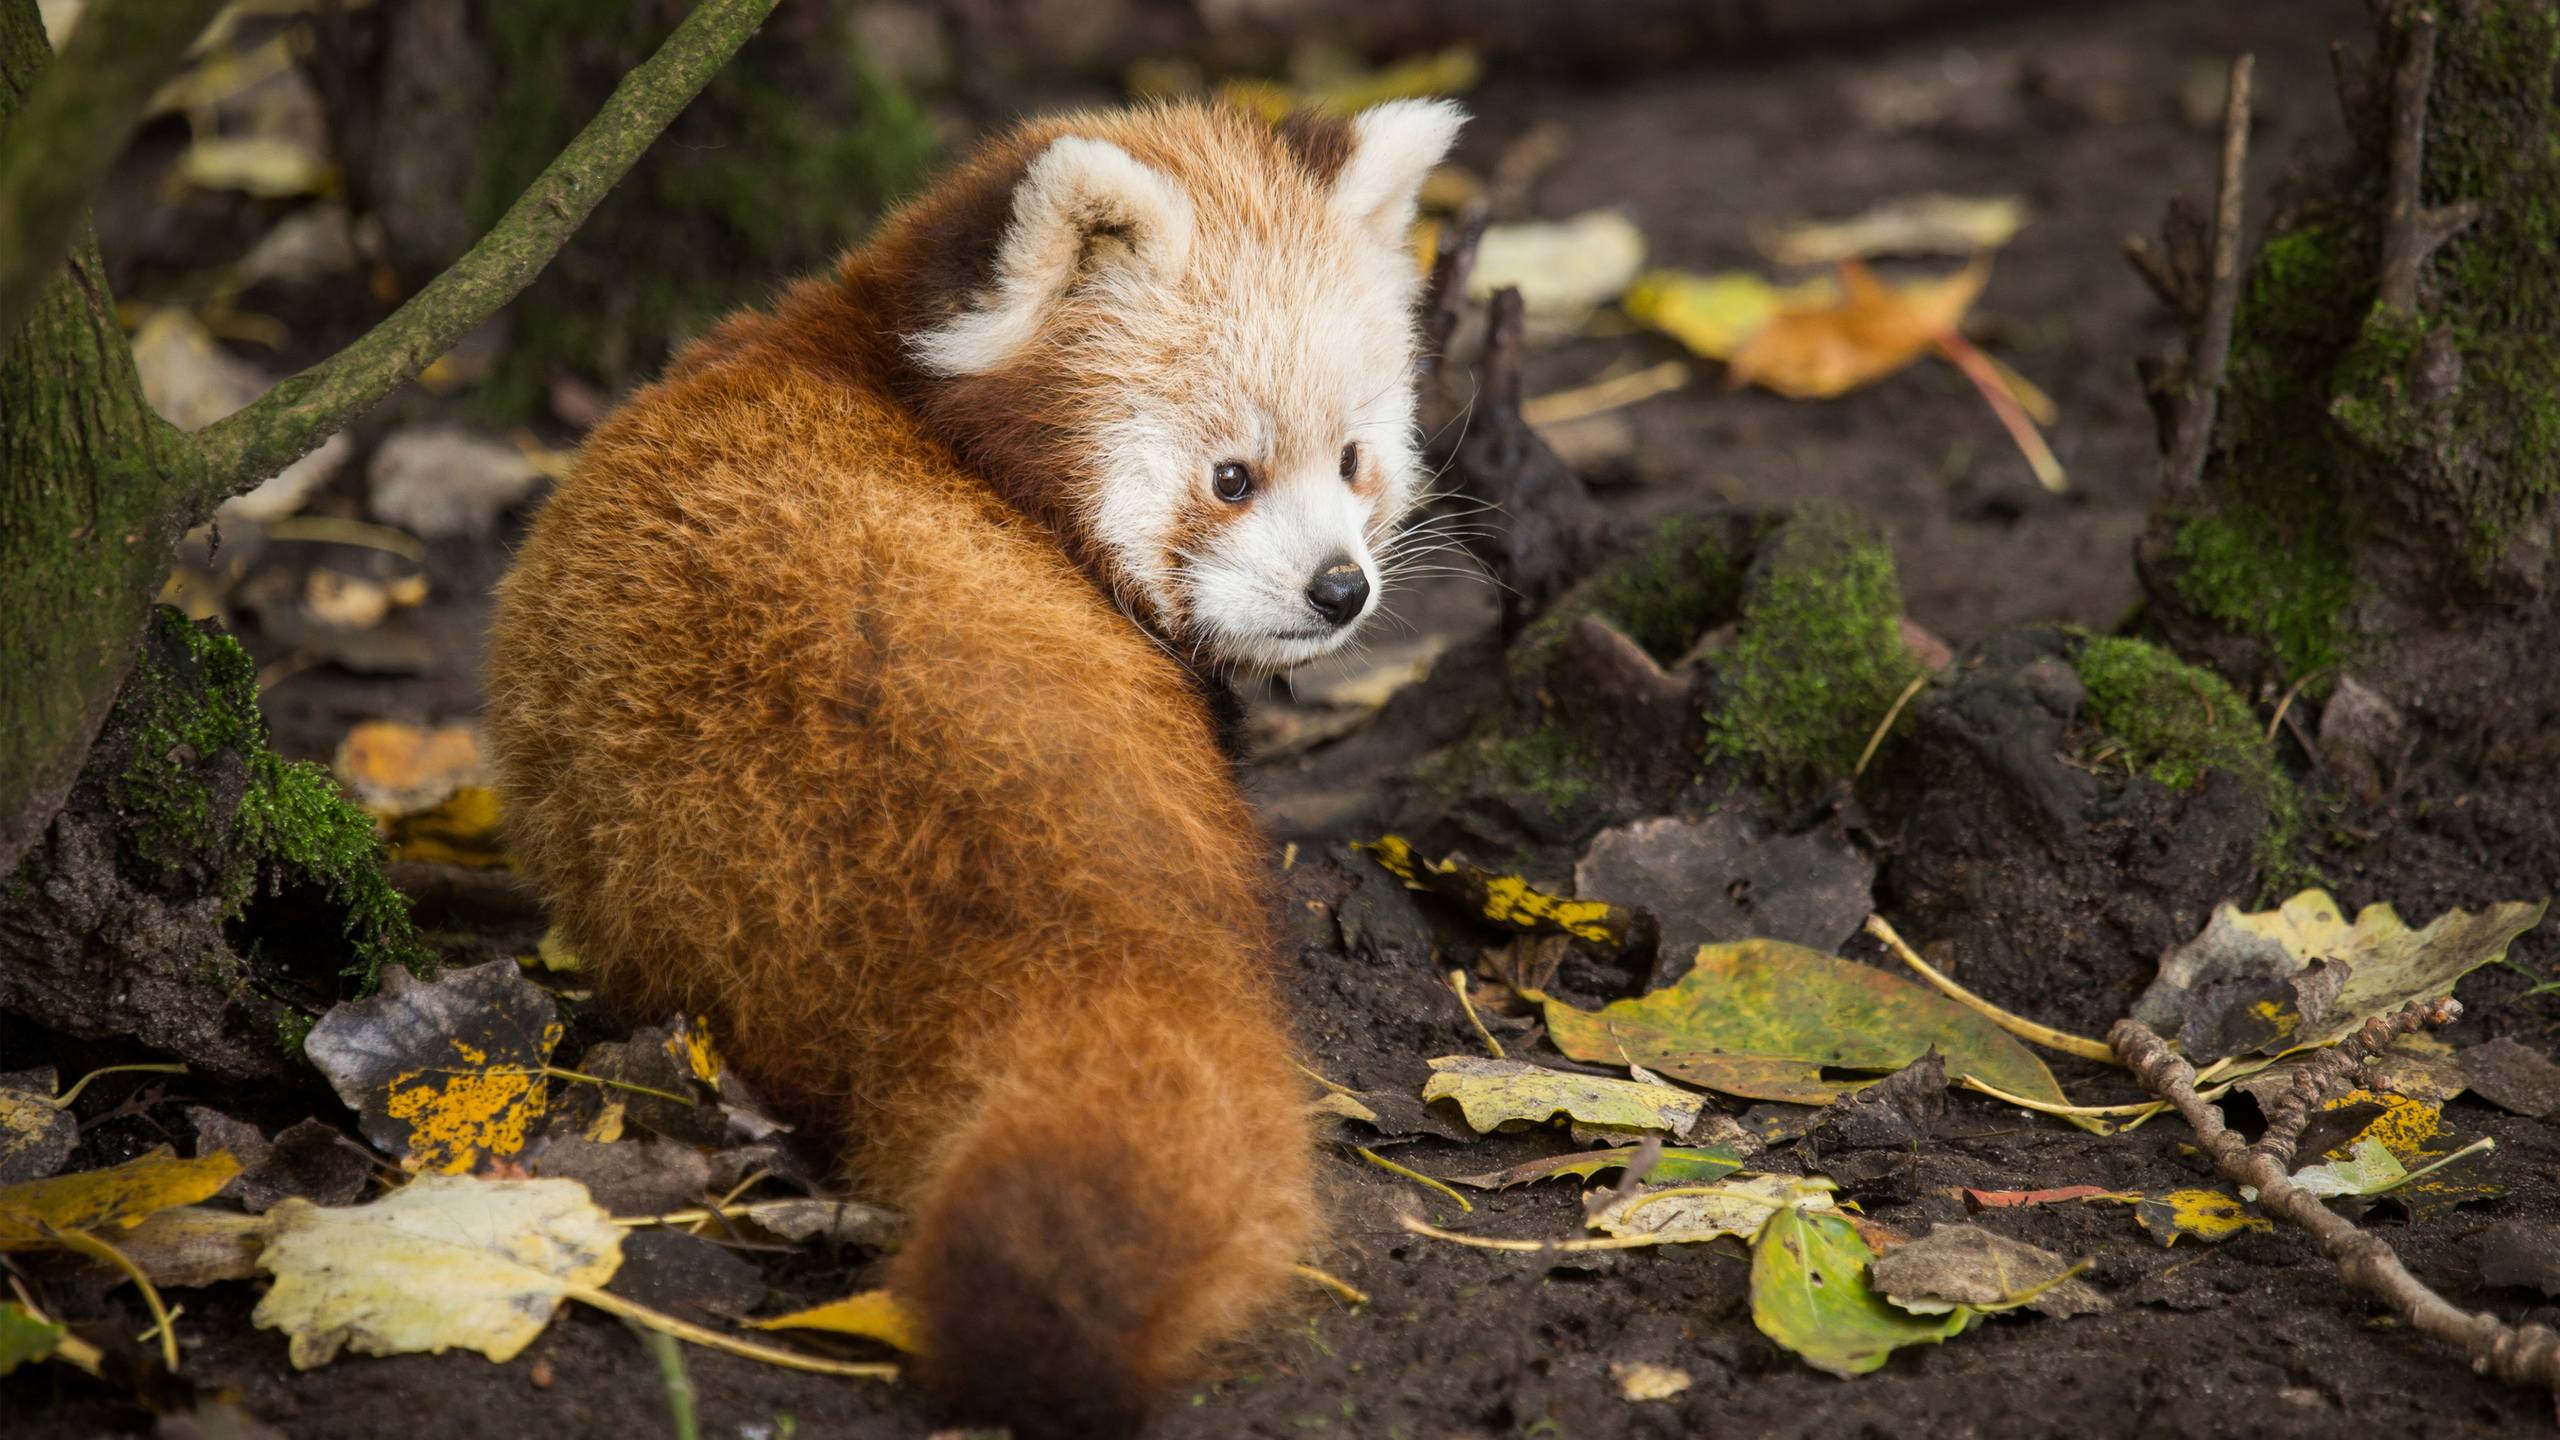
point(856, 689)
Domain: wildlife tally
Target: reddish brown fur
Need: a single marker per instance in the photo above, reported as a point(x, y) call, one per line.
point(806, 720)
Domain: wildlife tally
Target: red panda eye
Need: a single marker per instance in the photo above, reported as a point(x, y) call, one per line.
point(1351, 461)
point(1232, 480)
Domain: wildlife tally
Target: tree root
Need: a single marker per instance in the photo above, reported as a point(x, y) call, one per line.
point(2517, 1354)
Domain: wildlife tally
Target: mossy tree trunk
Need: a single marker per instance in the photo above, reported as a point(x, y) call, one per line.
point(2382, 498)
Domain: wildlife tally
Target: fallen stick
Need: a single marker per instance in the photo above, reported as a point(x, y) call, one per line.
point(2212, 351)
point(2411, 229)
point(2517, 1354)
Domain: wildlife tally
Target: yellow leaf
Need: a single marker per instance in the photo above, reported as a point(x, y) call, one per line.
point(2208, 1215)
point(1506, 900)
point(873, 1315)
point(120, 1195)
point(460, 830)
point(1560, 267)
point(1497, 1093)
point(1688, 1213)
point(447, 1262)
point(1915, 225)
point(1715, 314)
point(265, 165)
point(689, 1045)
point(1643, 1381)
point(1874, 330)
point(1449, 72)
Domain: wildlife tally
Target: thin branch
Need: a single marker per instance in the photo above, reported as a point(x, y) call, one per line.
point(2402, 255)
point(2517, 1354)
point(2212, 352)
point(77, 120)
point(2330, 1071)
point(292, 419)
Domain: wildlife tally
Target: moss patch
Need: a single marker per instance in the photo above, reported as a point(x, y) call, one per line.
point(194, 697)
point(1817, 659)
point(2176, 723)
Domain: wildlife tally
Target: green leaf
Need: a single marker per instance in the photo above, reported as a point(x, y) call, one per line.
point(1496, 1093)
point(2368, 1168)
point(1809, 1292)
point(1677, 1165)
point(1763, 1019)
point(23, 1337)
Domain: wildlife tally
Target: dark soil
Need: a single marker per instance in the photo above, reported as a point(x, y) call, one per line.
point(2080, 109)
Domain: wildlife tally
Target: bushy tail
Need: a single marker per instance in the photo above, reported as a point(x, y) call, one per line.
point(1127, 1193)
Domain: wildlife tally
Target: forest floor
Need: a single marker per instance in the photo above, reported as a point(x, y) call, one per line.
point(2089, 113)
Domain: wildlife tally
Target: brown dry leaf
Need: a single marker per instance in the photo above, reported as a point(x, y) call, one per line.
point(1873, 330)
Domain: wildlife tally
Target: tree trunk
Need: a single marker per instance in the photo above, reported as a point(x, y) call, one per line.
point(90, 483)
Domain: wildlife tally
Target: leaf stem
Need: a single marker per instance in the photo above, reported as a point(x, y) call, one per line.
point(169, 1067)
point(81, 1242)
point(2024, 1029)
point(709, 1339)
point(1416, 1176)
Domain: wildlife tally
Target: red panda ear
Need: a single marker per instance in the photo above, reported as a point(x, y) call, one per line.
point(1395, 146)
point(1081, 205)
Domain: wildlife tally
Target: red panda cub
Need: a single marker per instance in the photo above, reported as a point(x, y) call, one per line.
point(856, 689)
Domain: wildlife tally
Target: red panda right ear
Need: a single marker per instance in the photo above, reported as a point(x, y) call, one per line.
point(1394, 146)
point(1081, 204)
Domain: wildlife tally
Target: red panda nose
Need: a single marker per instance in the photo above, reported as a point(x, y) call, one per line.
point(1340, 591)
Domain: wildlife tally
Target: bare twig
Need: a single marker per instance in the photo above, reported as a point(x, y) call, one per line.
point(2411, 78)
point(292, 419)
point(2212, 351)
point(55, 154)
point(2333, 1069)
point(2517, 1354)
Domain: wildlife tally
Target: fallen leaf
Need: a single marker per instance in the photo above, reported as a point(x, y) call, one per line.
point(2369, 1167)
point(1563, 269)
point(462, 829)
point(1497, 1093)
point(2208, 1215)
point(2522, 1253)
point(36, 1135)
point(1913, 225)
point(629, 1177)
point(446, 1073)
point(446, 1262)
point(1715, 315)
point(190, 1245)
point(118, 1196)
point(1763, 1019)
point(1506, 900)
point(1722, 879)
point(872, 1315)
point(307, 1158)
point(1675, 1165)
point(268, 166)
point(1809, 1293)
point(1967, 1265)
point(1644, 1381)
point(394, 769)
point(445, 482)
point(841, 1222)
point(1873, 330)
point(191, 381)
point(1736, 1207)
point(2299, 976)
point(23, 1337)
point(1343, 89)
point(2511, 1076)
point(1980, 1200)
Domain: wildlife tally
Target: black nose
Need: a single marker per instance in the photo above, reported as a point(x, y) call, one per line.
point(1339, 592)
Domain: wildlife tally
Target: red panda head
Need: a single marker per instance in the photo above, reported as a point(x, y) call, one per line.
point(1185, 341)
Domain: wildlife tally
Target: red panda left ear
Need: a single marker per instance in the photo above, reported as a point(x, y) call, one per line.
point(1394, 147)
point(1082, 207)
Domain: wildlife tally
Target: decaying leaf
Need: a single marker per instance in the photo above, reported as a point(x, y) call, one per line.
point(841, 1222)
point(1912, 225)
point(307, 1158)
point(1809, 1293)
point(36, 1135)
point(2369, 1167)
point(395, 769)
point(446, 1262)
point(1980, 1200)
point(1506, 900)
point(1497, 1093)
point(1563, 269)
point(2512, 1076)
point(1874, 330)
point(1724, 878)
point(1736, 1207)
point(2300, 976)
point(1674, 1165)
point(117, 1197)
point(1763, 1019)
point(872, 1314)
point(1715, 315)
point(2208, 1215)
point(461, 829)
point(445, 1073)
point(190, 1245)
point(23, 1337)
point(1967, 1265)
point(445, 482)
point(1644, 1381)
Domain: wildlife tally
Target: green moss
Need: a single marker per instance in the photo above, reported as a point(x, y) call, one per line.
point(2176, 723)
point(1817, 659)
point(1544, 763)
point(1675, 584)
point(2287, 585)
point(199, 699)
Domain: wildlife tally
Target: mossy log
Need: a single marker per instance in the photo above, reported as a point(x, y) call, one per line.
point(2382, 496)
